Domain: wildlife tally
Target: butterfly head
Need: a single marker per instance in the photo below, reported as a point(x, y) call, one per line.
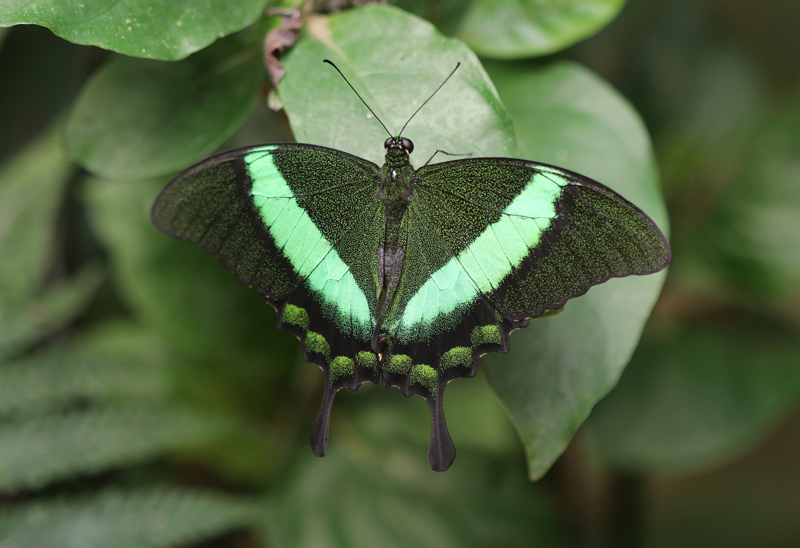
point(399, 143)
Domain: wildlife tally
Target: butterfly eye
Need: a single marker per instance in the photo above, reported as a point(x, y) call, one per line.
point(407, 145)
point(387, 143)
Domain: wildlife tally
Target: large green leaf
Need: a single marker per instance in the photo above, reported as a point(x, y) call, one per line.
point(513, 29)
point(25, 324)
point(162, 30)
point(137, 118)
point(154, 517)
point(694, 396)
point(395, 61)
point(559, 367)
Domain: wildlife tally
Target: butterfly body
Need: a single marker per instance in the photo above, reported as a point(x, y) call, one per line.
point(396, 178)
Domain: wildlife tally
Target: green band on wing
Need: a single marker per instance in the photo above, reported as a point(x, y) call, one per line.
point(483, 265)
point(311, 255)
point(504, 244)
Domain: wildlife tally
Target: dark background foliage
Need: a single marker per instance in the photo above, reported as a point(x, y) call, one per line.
point(146, 399)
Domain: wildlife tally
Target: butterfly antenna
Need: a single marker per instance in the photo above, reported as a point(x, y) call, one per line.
point(357, 95)
point(431, 97)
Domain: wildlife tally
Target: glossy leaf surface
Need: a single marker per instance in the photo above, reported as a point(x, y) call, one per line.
point(395, 61)
point(162, 30)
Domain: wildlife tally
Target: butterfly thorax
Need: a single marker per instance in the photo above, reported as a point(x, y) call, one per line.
point(396, 178)
point(396, 175)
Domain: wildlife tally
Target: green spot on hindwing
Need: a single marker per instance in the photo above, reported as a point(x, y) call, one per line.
point(399, 364)
point(367, 360)
point(317, 343)
point(426, 376)
point(342, 366)
point(486, 334)
point(460, 356)
point(294, 315)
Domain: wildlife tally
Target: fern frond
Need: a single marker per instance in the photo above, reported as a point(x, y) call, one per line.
point(27, 323)
point(37, 451)
point(48, 381)
point(154, 517)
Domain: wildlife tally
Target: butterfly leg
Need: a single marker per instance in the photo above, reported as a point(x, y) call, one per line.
point(442, 451)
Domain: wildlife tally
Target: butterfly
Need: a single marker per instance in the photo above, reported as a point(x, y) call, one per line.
point(399, 275)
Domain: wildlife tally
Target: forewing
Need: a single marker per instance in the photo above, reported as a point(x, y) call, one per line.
point(300, 224)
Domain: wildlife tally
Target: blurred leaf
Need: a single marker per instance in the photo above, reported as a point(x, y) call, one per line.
point(121, 338)
point(41, 75)
point(752, 501)
point(50, 380)
point(31, 189)
point(25, 324)
point(372, 491)
point(395, 61)
point(695, 398)
point(513, 29)
point(37, 451)
point(137, 118)
point(755, 234)
point(559, 367)
point(165, 30)
point(154, 517)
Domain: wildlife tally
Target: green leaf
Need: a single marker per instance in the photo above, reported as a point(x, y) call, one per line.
point(395, 61)
point(559, 367)
point(136, 118)
point(25, 324)
point(31, 189)
point(514, 29)
point(164, 30)
point(154, 517)
point(695, 397)
point(37, 451)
